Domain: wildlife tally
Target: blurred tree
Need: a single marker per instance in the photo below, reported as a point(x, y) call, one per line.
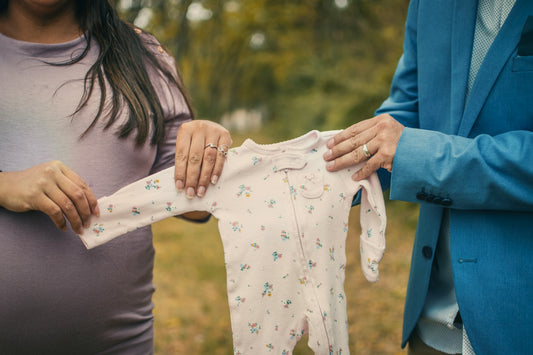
point(308, 64)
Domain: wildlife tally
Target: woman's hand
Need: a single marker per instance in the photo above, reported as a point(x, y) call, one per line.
point(373, 140)
point(51, 188)
point(201, 148)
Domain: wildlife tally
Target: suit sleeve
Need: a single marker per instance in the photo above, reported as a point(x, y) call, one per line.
point(139, 204)
point(484, 173)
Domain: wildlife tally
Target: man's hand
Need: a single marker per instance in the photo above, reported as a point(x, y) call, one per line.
point(373, 140)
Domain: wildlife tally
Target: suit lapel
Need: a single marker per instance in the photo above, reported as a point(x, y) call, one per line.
point(503, 46)
point(464, 20)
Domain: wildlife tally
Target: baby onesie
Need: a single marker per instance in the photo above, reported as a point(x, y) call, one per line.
point(283, 220)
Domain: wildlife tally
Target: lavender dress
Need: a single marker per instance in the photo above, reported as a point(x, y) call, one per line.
point(56, 296)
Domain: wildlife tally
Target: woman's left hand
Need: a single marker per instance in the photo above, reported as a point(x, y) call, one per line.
point(201, 149)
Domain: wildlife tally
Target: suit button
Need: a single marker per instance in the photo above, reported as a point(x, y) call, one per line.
point(437, 200)
point(446, 202)
point(427, 252)
point(421, 196)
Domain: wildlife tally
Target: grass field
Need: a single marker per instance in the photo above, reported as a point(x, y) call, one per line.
point(191, 311)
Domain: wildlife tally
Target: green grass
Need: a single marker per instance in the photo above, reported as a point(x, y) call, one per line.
point(191, 312)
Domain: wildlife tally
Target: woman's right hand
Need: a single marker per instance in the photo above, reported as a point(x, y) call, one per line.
point(51, 188)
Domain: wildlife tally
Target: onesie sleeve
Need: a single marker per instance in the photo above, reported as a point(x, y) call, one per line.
point(139, 204)
point(373, 223)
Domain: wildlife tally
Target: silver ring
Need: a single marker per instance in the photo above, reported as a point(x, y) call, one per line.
point(211, 145)
point(366, 153)
point(222, 151)
point(224, 146)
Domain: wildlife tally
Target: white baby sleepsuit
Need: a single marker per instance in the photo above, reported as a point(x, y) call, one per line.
point(283, 221)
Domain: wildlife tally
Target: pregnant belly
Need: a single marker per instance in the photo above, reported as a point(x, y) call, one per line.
point(58, 298)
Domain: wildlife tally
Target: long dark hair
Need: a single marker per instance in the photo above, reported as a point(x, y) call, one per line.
point(122, 62)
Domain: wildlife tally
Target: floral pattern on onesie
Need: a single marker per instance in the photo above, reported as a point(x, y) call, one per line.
point(283, 221)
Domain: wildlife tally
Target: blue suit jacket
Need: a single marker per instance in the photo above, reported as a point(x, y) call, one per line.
point(474, 157)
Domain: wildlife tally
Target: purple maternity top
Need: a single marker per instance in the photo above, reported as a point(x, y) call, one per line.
point(56, 297)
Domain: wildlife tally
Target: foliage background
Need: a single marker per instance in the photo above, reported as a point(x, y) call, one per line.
point(307, 64)
point(298, 66)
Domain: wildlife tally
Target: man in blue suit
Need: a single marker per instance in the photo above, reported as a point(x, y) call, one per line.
point(457, 135)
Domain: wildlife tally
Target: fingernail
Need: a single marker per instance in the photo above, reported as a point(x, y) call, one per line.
point(214, 179)
point(330, 143)
point(190, 192)
point(97, 211)
point(201, 191)
point(330, 165)
point(179, 185)
point(355, 177)
point(328, 154)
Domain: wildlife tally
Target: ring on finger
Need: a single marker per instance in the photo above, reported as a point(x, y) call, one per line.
point(366, 152)
point(211, 145)
point(222, 151)
point(224, 147)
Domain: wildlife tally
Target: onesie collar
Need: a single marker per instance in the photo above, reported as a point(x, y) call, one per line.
point(302, 144)
point(291, 154)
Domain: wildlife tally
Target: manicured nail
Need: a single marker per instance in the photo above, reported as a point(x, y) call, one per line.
point(214, 179)
point(190, 192)
point(201, 191)
point(328, 154)
point(330, 165)
point(330, 143)
point(179, 185)
point(97, 211)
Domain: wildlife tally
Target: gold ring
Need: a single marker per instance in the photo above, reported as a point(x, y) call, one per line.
point(366, 153)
